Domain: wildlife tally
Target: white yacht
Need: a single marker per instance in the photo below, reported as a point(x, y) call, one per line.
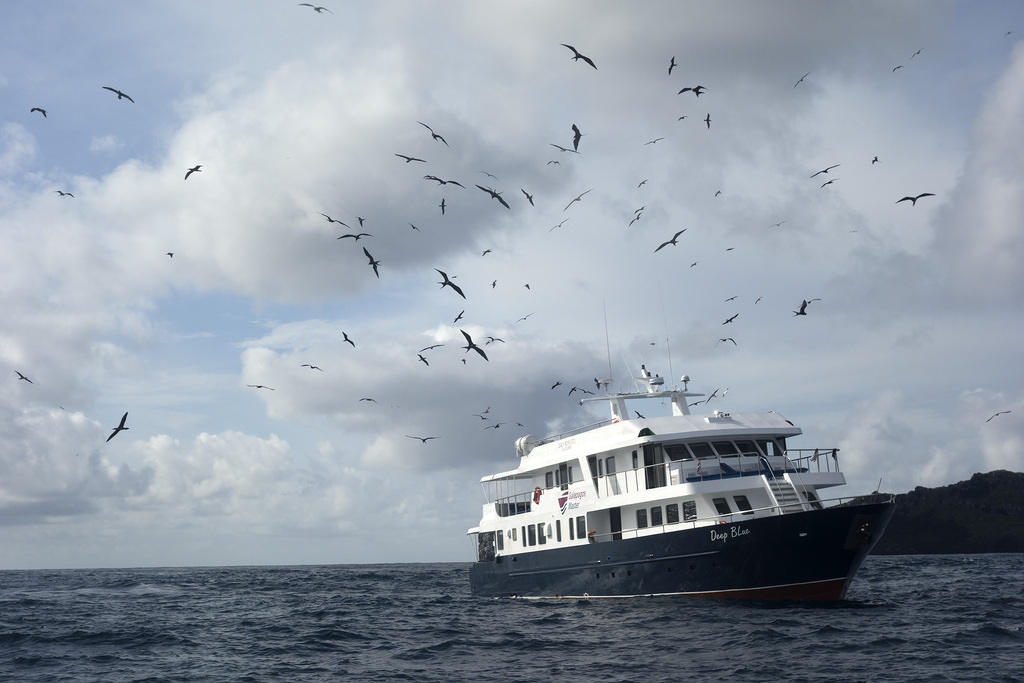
point(713, 505)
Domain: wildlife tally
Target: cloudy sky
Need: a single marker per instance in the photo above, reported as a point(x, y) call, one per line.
point(293, 114)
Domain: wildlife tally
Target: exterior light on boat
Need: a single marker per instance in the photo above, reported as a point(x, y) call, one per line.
point(685, 379)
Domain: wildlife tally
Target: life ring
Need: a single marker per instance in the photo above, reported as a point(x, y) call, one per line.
point(536, 494)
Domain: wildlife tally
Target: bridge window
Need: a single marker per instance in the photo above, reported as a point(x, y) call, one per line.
point(747, 448)
point(725, 448)
point(641, 518)
point(677, 452)
point(701, 450)
point(689, 510)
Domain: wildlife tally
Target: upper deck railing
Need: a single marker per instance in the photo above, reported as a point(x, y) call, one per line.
point(794, 461)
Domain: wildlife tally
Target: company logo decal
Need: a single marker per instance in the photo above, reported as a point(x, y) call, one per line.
point(570, 500)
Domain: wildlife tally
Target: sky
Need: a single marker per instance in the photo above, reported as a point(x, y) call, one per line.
point(910, 345)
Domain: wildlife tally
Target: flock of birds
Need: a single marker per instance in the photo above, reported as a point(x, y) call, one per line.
point(572, 146)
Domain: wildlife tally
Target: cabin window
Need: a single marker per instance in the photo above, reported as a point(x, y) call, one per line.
point(558, 530)
point(725, 448)
point(541, 537)
point(524, 537)
point(512, 533)
point(609, 465)
point(721, 504)
point(654, 472)
point(656, 516)
point(572, 530)
point(501, 540)
point(641, 518)
point(635, 463)
point(689, 510)
point(532, 531)
point(747, 448)
point(549, 479)
point(600, 468)
point(563, 479)
point(581, 527)
point(743, 504)
point(701, 450)
point(672, 513)
point(572, 478)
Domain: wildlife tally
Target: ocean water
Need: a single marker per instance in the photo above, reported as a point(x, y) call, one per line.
point(909, 618)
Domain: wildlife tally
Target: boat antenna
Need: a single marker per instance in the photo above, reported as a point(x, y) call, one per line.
point(607, 344)
point(664, 321)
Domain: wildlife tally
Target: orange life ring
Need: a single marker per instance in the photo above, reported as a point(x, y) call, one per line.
point(536, 494)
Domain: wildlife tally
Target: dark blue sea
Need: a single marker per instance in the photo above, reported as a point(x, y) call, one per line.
point(909, 618)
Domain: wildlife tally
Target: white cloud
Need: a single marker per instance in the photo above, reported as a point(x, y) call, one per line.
point(17, 148)
point(106, 144)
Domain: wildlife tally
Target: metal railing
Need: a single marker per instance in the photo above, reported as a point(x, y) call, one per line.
point(713, 520)
point(717, 467)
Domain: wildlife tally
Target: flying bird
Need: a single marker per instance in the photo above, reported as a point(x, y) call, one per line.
point(38, 109)
point(557, 226)
point(729, 320)
point(311, 367)
point(259, 386)
point(195, 169)
point(707, 120)
point(368, 399)
point(671, 65)
point(433, 134)
point(21, 376)
point(459, 316)
point(803, 306)
point(170, 254)
point(556, 384)
point(529, 197)
point(824, 170)
point(119, 428)
point(874, 160)
point(120, 95)
point(445, 282)
point(913, 200)
point(915, 54)
point(496, 195)
point(424, 360)
point(443, 204)
point(442, 181)
point(725, 339)
point(577, 198)
point(562, 149)
point(697, 90)
point(316, 8)
point(672, 241)
point(491, 340)
point(333, 220)
point(470, 345)
point(576, 135)
point(802, 79)
point(62, 193)
point(344, 338)
point(373, 263)
point(424, 439)
point(829, 182)
point(654, 141)
point(357, 236)
point(524, 317)
point(486, 252)
point(409, 158)
point(577, 55)
point(898, 66)
point(428, 348)
point(1001, 412)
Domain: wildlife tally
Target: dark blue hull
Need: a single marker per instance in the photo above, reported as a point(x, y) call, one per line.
point(800, 556)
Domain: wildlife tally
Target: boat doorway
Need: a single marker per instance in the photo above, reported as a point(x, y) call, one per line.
point(615, 523)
